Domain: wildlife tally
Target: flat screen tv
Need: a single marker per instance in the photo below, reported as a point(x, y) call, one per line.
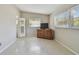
point(44, 25)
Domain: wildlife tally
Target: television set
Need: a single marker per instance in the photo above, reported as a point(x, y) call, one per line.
point(44, 25)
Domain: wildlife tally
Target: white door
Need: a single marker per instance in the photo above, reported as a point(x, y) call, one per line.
point(22, 27)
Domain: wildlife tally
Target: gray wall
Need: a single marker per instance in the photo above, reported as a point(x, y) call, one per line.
point(7, 25)
point(32, 32)
point(68, 37)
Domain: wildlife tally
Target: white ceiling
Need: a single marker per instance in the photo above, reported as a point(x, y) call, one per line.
point(41, 8)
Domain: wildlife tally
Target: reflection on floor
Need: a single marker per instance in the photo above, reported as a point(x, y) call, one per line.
point(36, 46)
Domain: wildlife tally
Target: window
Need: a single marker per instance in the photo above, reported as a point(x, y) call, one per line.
point(16, 22)
point(61, 20)
point(22, 29)
point(68, 19)
point(34, 22)
point(75, 16)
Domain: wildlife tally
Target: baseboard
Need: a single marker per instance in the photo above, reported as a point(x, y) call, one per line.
point(67, 47)
point(7, 46)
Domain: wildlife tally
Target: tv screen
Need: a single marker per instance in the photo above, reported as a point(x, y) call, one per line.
point(44, 25)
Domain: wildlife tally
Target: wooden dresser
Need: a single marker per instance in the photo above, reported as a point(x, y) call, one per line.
point(45, 33)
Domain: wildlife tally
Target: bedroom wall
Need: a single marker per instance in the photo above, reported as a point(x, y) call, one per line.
point(30, 31)
point(68, 37)
point(8, 15)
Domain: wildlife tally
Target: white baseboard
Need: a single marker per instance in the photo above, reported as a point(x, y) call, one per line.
point(7, 46)
point(67, 47)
